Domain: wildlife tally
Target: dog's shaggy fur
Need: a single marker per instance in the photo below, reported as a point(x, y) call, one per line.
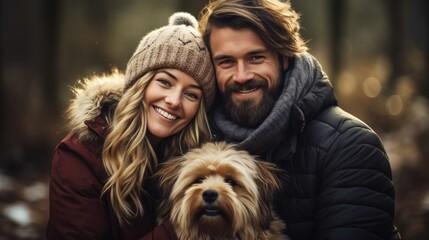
point(218, 192)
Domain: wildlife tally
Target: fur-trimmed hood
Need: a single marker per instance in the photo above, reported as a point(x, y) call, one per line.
point(94, 96)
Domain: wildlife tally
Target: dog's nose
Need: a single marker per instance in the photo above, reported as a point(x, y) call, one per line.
point(210, 195)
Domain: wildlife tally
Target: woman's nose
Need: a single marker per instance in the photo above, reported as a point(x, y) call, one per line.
point(173, 100)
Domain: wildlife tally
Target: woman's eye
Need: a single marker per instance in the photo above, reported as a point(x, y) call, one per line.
point(230, 181)
point(192, 95)
point(164, 82)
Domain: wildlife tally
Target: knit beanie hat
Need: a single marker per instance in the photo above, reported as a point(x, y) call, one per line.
point(178, 45)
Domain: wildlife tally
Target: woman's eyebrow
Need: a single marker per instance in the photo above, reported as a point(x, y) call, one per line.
point(175, 78)
point(168, 73)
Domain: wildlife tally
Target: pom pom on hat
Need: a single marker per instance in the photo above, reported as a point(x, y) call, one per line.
point(183, 18)
point(178, 45)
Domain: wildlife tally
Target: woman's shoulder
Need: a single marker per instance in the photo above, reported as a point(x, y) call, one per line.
point(75, 158)
point(94, 97)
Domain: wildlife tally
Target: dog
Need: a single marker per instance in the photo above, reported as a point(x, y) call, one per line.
point(218, 192)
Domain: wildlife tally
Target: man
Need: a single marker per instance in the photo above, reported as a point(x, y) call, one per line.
point(276, 102)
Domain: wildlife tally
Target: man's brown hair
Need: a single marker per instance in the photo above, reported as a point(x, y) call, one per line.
point(273, 20)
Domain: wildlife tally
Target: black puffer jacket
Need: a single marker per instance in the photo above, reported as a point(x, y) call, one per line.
point(340, 182)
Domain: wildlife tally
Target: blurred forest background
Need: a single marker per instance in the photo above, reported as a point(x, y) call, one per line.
point(376, 53)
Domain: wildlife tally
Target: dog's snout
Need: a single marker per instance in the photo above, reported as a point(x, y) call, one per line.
point(210, 195)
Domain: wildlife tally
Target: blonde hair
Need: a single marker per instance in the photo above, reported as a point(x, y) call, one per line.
point(128, 156)
point(274, 21)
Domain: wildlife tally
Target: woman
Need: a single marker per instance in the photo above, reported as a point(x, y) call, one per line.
point(122, 127)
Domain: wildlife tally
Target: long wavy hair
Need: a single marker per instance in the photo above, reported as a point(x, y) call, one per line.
point(129, 157)
point(276, 23)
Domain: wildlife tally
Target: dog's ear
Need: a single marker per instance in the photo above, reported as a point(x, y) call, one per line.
point(167, 173)
point(271, 179)
point(166, 176)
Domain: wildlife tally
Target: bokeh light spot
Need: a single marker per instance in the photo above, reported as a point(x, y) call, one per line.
point(394, 105)
point(372, 87)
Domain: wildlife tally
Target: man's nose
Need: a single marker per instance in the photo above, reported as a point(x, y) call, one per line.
point(243, 73)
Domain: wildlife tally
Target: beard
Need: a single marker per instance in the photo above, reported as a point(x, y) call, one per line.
point(249, 113)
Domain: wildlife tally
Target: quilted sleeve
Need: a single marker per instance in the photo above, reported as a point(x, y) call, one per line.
point(356, 199)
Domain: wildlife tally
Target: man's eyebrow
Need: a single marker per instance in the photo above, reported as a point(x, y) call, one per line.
point(257, 51)
point(220, 57)
point(253, 52)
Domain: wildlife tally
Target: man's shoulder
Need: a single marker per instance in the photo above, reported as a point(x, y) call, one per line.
point(342, 141)
point(338, 119)
point(334, 125)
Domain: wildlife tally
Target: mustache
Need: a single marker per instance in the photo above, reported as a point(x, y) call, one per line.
point(250, 84)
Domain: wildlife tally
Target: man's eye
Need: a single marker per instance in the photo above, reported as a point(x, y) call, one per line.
point(257, 59)
point(225, 63)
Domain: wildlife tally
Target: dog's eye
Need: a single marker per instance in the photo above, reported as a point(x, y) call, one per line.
point(230, 181)
point(199, 180)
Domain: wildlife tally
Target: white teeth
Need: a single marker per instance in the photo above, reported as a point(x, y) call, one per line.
point(248, 90)
point(165, 114)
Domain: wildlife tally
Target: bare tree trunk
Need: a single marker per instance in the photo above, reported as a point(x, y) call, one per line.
point(337, 19)
point(50, 64)
point(2, 83)
point(395, 33)
point(424, 83)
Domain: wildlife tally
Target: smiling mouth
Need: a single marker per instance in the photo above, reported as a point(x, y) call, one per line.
point(247, 90)
point(165, 114)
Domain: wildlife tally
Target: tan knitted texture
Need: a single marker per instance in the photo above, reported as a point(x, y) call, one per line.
point(175, 46)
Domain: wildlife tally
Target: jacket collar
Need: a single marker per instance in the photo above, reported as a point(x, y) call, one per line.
point(98, 126)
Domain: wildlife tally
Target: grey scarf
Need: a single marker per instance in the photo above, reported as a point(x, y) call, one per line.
point(297, 82)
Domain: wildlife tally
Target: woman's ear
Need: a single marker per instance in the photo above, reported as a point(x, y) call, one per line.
point(285, 63)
